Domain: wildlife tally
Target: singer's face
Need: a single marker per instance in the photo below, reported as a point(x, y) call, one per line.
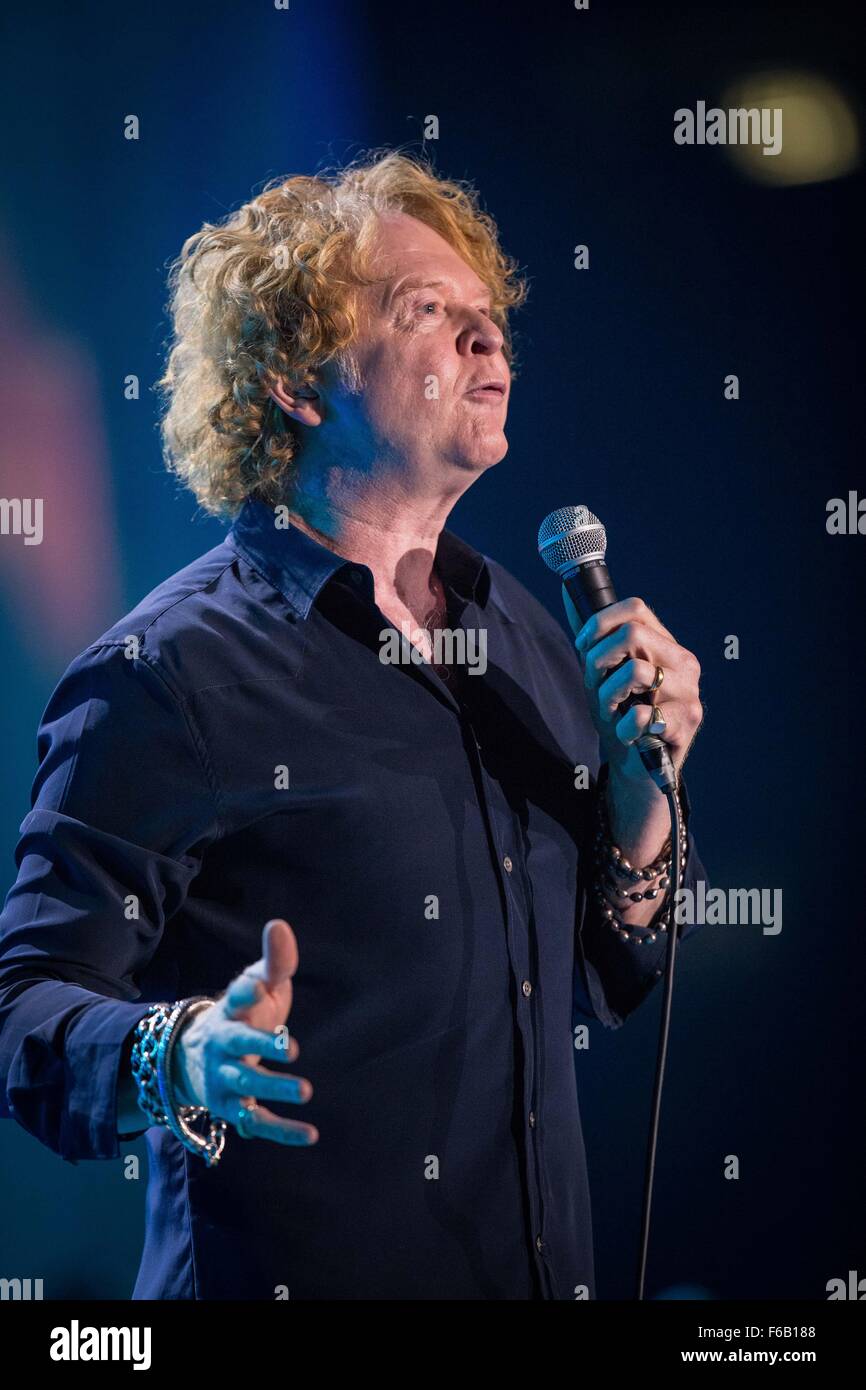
point(425, 340)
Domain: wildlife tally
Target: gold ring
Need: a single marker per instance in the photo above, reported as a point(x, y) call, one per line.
point(660, 675)
point(657, 724)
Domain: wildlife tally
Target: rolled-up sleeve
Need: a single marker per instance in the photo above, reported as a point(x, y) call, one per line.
point(612, 976)
point(123, 807)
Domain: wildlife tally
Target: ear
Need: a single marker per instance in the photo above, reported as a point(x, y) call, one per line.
point(302, 403)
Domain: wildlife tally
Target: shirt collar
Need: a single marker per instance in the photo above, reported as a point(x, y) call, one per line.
point(299, 567)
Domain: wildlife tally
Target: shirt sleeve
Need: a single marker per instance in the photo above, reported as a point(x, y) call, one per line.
point(122, 809)
point(612, 976)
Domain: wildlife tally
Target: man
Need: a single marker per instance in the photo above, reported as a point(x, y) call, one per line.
point(236, 754)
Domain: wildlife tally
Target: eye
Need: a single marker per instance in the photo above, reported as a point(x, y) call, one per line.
point(431, 304)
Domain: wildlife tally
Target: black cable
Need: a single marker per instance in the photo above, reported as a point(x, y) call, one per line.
point(673, 929)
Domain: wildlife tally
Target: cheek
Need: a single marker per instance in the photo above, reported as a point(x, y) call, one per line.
point(424, 385)
point(409, 383)
point(440, 376)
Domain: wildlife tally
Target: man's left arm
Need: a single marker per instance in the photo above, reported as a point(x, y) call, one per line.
point(614, 975)
point(636, 677)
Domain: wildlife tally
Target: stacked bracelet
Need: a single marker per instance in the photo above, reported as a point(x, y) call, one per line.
point(152, 1047)
point(613, 870)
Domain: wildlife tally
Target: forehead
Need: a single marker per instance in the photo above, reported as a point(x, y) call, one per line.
point(404, 246)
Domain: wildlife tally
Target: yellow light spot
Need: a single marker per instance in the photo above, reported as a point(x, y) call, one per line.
point(820, 137)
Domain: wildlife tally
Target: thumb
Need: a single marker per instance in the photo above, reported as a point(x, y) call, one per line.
point(279, 953)
point(276, 965)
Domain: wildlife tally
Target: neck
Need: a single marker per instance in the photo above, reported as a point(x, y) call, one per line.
point(378, 523)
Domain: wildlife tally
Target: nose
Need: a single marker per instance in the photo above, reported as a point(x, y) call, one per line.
point(479, 335)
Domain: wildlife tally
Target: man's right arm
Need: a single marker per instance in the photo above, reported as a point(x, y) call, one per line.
point(122, 810)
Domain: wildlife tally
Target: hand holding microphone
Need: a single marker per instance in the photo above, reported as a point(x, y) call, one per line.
point(642, 686)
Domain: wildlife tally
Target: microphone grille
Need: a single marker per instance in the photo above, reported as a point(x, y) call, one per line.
point(569, 537)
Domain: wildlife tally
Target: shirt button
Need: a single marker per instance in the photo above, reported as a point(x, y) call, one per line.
point(527, 988)
point(532, 1119)
point(539, 1244)
point(356, 576)
point(507, 864)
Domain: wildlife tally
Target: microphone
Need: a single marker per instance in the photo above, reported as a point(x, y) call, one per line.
point(572, 542)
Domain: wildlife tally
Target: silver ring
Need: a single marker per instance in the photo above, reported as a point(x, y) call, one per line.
point(658, 723)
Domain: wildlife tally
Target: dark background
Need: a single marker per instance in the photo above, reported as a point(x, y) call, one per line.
point(715, 509)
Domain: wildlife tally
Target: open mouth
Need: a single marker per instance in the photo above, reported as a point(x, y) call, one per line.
point(490, 391)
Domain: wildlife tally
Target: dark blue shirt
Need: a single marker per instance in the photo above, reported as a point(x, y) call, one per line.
point(234, 750)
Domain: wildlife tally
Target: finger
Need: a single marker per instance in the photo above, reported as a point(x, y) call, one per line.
point(608, 619)
point(238, 1039)
point(261, 1123)
point(279, 952)
point(633, 639)
point(264, 1085)
point(636, 722)
point(284, 1048)
point(634, 677)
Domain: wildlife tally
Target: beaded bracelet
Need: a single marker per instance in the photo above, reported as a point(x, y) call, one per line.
point(629, 931)
point(610, 862)
point(152, 1048)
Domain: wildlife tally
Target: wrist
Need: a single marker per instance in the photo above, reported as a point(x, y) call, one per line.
point(632, 887)
point(178, 1066)
point(638, 816)
point(152, 1067)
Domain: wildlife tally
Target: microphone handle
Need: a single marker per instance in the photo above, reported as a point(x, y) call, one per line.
point(590, 589)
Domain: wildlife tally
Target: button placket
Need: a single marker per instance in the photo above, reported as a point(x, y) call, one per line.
point(518, 953)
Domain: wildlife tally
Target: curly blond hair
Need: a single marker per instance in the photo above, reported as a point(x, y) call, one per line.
point(270, 290)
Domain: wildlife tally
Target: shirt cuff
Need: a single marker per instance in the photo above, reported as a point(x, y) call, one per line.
point(83, 1080)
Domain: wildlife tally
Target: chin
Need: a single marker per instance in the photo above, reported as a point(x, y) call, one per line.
point(478, 459)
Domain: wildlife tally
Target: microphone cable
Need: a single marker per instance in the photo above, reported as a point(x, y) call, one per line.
point(664, 1031)
point(573, 543)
